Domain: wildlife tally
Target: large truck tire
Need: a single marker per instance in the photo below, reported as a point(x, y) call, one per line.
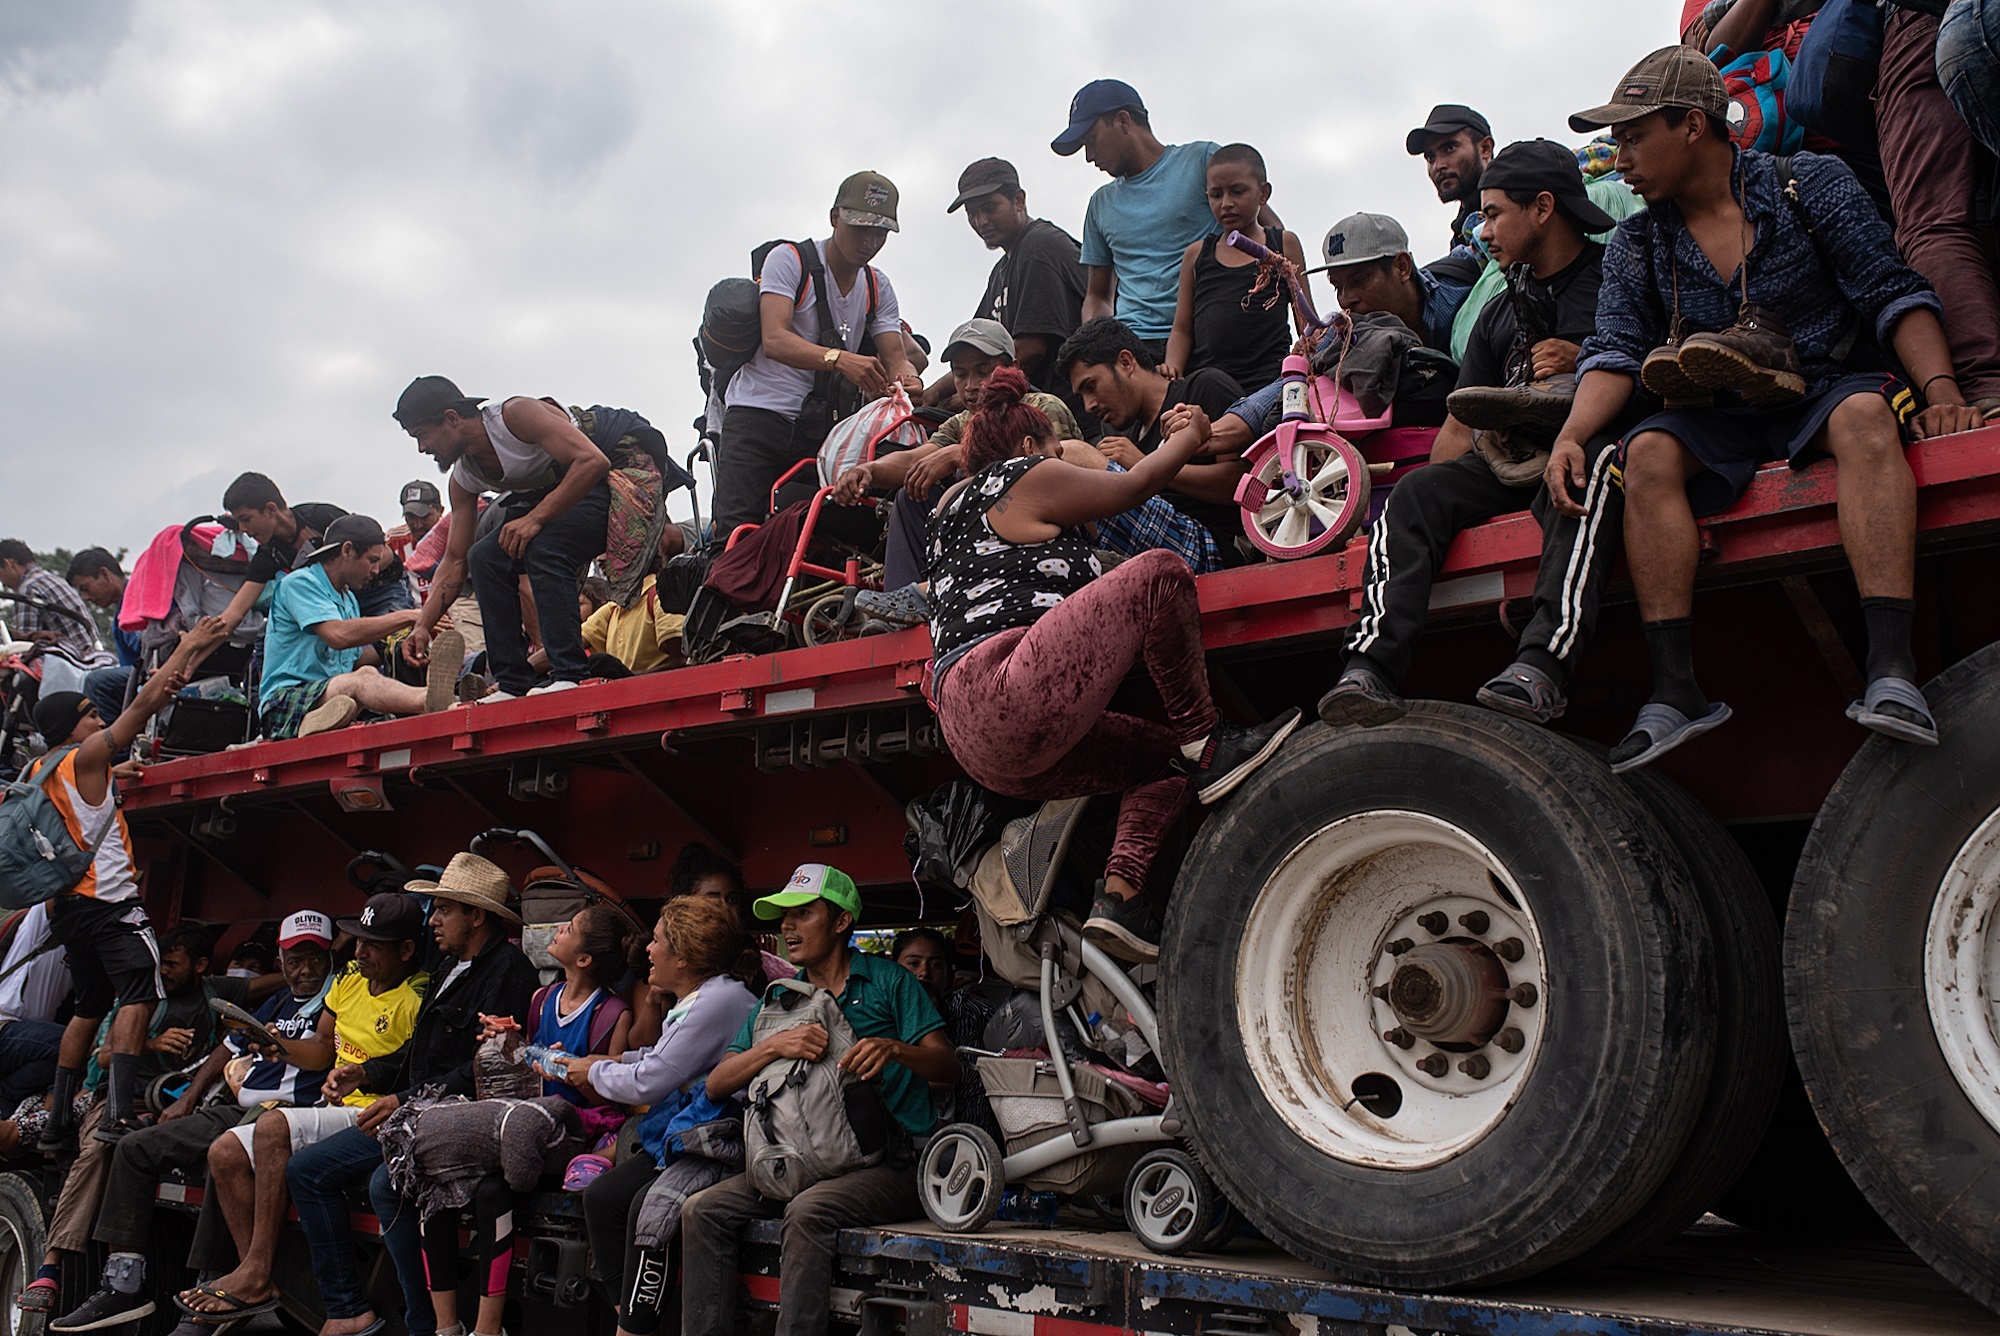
point(1752, 1052)
point(23, 1241)
point(1892, 944)
point(1438, 1000)
point(1795, 1186)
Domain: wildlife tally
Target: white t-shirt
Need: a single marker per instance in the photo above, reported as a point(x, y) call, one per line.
point(766, 383)
point(523, 467)
point(33, 992)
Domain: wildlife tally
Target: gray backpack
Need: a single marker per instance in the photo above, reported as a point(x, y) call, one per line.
point(39, 858)
point(805, 1122)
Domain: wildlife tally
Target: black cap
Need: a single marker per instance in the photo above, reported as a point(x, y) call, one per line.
point(359, 530)
point(984, 178)
point(420, 498)
point(1446, 118)
point(1542, 164)
point(427, 398)
point(390, 916)
point(57, 715)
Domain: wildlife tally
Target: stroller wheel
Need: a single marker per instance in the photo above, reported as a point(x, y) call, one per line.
point(960, 1178)
point(1171, 1204)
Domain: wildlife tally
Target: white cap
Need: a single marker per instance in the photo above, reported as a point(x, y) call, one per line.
point(308, 925)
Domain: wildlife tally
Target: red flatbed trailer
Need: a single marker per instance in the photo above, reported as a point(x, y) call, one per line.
point(813, 754)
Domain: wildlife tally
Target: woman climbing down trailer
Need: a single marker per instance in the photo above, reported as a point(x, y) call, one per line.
point(1032, 639)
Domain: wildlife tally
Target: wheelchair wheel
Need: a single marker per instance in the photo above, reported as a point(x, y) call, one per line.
point(1171, 1204)
point(1307, 494)
point(831, 618)
point(960, 1178)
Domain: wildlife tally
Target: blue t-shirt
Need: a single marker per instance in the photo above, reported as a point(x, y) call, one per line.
point(574, 1037)
point(125, 642)
point(289, 1017)
point(293, 654)
point(1140, 225)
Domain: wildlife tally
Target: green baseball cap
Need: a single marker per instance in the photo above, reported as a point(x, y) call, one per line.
point(813, 881)
point(867, 199)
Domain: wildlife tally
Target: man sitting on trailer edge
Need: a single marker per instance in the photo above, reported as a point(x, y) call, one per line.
point(1492, 456)
point(902, 1043)
point(1774, 361)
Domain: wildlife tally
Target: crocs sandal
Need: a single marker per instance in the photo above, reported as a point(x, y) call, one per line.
point(237, 1307)
point(1666, 728)
point(1525, 692)
point(1868, 711)
point(41, 1296)
point(1361, 697)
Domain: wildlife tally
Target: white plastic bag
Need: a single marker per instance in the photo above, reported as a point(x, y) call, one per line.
point(880, 426)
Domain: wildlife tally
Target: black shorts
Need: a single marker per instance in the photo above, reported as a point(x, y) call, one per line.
point(1733, 443)
point(114, 959)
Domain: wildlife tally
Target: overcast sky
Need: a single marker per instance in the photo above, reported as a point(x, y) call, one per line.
point(232, 230)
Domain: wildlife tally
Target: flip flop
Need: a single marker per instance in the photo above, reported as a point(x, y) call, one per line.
point(196, 1326)
point(1668, 728)
point(238, 1308)
point(1868, 711)
point(1539, 699)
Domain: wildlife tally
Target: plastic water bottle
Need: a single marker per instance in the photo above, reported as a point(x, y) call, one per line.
point(550, 1062)
point(1022, 1207)
point(1297, 372)
point(1109, 1042)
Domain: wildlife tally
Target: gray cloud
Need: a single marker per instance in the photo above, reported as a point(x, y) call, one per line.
point(231, 231)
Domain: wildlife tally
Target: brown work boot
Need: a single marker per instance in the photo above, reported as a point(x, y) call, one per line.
point(441, 673)
point(1543, 403)
point(1661, 373)
point(1754, 357)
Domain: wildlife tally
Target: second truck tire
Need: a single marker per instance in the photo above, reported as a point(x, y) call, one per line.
point(1445, 995)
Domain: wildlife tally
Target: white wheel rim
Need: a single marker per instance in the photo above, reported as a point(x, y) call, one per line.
point(1163, 1204)
point(957, 1179)
point(1322, 471)
point(1341, 916)
point(1962, 969)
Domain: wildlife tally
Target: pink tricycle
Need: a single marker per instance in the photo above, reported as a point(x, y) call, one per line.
point(1307, 490)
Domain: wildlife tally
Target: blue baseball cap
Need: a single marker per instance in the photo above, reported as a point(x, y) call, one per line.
point(1100, 97)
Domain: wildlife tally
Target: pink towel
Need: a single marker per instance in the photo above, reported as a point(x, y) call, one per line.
point(149, 594)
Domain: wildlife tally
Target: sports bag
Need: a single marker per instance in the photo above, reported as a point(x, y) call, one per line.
point(805, 1122)
point(1832, 87)
point(39, 858)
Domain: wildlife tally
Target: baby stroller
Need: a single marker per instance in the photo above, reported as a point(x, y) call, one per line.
point(1081, 1131)
point(752, 604)
point(186, 573)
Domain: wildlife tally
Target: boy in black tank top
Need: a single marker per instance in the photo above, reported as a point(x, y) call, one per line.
point(1217, 321)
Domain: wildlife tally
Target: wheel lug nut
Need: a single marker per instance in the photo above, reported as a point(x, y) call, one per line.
point(1434, 923)
point(1380, 991)
point(1509, 949)
point(1475, 922)
point(1510, 1040)
point(1400, 1037)
point(1523, 995)
point(1433, 1064)
point(1476, 1066)
point(1399, 946)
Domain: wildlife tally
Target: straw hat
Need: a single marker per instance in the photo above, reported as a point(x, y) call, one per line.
point(471, 880)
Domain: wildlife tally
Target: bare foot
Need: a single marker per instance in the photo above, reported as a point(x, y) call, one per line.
point(244, 1287)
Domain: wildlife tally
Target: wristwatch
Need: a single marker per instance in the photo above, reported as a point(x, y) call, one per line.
point(832, 357)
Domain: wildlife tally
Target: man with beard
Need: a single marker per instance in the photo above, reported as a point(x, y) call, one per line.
point(1455, 143)
point(1036, 288)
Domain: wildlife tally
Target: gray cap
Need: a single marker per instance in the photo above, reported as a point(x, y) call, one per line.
point(981, 336)
point(1359, 238)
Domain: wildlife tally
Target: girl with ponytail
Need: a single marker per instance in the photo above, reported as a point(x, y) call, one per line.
point(1030, 640)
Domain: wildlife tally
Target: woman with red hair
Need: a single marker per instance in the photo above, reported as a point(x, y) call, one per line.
point(1031, 638)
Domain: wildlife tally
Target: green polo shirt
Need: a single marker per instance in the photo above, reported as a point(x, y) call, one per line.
point(883, 1000)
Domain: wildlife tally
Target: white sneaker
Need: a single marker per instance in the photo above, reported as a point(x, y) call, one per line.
point(495, 696)
point(558, 685)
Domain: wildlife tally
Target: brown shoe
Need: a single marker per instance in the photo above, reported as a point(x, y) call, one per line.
point(1543, 403)
point(1661, 373)
point(331, 713)
point(1754, 357)
point(441, 674)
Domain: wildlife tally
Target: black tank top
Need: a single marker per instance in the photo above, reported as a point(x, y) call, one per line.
point(981, 584)
point(1249, 345)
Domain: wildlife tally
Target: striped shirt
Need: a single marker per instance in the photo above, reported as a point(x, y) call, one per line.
point(79, 637)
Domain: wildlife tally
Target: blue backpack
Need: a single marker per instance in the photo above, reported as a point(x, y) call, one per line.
point(39, 858)
point(1832, 87)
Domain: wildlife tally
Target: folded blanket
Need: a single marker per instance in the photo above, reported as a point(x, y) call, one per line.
point(437, 1150)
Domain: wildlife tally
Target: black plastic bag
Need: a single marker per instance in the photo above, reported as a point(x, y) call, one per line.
point(952, 824)
point(1017, 1024)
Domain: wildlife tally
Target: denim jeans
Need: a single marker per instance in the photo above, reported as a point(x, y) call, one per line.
point(106, 689)
point(385, 596)
point(555, 558)
point(1968, 65)
point(319, 1177)
point(27, 1061)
